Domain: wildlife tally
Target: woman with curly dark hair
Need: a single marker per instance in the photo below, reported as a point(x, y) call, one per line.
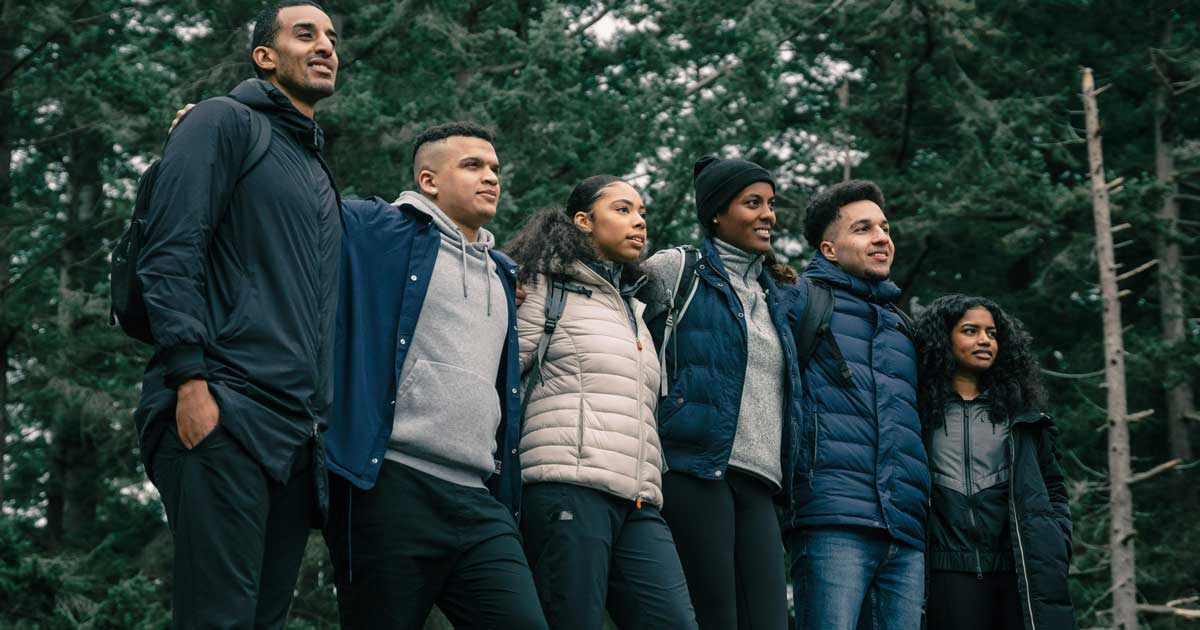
point(591, 459)
point(999, 525)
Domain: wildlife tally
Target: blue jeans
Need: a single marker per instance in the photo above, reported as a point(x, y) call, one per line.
point(846, 578)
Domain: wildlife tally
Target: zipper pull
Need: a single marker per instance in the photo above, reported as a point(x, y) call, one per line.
point(639, 343)
point(638, 503)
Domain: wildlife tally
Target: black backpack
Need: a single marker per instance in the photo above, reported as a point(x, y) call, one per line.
point(815, 324)
point(128, 308)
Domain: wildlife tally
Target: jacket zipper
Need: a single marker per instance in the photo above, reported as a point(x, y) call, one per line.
point(641, 421)
point(1012, 506)
point(966, 420)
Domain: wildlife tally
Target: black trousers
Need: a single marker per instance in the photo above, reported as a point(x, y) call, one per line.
point(590, 550)
point(731, 549)
point(964, 600)
point(414, 540)
point(239, 535)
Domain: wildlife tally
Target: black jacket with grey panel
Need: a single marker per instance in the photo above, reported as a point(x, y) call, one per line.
point(999, 504)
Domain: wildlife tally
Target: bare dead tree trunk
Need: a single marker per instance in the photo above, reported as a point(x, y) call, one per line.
point(1120, 498)
point(1170, 283)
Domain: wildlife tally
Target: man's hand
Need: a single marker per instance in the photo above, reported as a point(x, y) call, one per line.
point(519, 294)
point(179, 116)
point(196, 413)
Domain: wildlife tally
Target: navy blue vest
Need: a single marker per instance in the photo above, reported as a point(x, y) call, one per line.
point(706, 364)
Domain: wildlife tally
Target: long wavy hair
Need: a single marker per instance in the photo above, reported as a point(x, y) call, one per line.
point(550, 242)
point(1013, 382)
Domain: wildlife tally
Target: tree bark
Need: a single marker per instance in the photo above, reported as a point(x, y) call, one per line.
point(1120, 498)
point(1170, 283)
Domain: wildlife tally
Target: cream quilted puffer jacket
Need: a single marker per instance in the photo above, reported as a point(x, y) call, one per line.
point(590, 420)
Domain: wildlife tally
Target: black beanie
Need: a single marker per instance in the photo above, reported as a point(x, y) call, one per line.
point(718, 181)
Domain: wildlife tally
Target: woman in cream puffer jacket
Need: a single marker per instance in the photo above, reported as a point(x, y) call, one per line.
point(590, 455)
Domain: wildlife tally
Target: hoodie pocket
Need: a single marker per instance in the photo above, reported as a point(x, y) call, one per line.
point(447, 414)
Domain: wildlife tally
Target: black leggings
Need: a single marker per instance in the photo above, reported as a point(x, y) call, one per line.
point(964, 600)
point(731, 549)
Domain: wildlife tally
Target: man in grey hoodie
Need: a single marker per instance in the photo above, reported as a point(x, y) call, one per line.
point(418, 526)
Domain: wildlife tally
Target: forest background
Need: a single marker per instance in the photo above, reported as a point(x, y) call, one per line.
point(967, 113)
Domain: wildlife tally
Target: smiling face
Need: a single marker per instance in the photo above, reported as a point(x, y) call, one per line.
point(748, 221)
point(461, 174)
point(973, 341)
point(859, 241)
point(617, 223)
point(302, 58)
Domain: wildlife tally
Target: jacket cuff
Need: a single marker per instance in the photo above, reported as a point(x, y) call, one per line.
point(183, 363)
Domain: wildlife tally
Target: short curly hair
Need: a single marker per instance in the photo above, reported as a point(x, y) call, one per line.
point(824, 206)
point(1013, 382)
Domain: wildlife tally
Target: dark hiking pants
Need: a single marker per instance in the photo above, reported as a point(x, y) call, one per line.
point(413, 541)
point(589, 550)
point(239, 535)
point(980, 602)
point(731, 549)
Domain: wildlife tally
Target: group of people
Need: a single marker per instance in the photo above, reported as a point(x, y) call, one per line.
point(533, 438)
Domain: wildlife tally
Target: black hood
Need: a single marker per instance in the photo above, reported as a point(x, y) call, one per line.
point(266, 98)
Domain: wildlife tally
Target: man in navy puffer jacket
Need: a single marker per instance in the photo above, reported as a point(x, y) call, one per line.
point(856, 526)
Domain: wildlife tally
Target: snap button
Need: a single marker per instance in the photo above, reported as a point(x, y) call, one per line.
point(741, 315)
point(413, 278)
point(514, 390)
point(514, 451)
point(718, 473)
point(405, 342)
point(392, 403)
point(374, 460)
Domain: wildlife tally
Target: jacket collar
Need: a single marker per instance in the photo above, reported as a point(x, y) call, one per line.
point(266, 98)
point(879, 291)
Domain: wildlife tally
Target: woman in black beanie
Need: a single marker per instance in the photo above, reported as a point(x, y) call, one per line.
point(729, 414)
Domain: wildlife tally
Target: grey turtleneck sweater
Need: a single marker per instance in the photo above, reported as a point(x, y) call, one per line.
point(759, 436)
point(447, 408)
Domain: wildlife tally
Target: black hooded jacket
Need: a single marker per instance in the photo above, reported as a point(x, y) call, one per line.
point(1014, 514)
point(240, 276)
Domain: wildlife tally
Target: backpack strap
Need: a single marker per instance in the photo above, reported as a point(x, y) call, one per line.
point(814, 325)
point(681, 299)
point(906, 322)
point(260, 134)
point(556, 303)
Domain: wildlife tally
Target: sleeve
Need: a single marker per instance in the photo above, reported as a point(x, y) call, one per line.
point(662, 268)
point(195, 181)
point(531, 320)
point(1056, 486)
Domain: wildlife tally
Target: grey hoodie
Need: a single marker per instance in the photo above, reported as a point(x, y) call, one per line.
point(447, 409)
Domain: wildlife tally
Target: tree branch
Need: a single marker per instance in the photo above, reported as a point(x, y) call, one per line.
point(1153, 472)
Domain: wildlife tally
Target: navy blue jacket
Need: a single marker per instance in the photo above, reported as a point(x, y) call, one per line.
point(862, 460)
point(387, 260)
point(706, 361)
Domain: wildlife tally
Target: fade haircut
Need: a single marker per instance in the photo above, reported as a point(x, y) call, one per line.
point(824, 206)
point(437, 133)
point(266, 27)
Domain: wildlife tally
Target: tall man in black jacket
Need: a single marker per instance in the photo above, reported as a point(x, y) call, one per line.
point(239, 274)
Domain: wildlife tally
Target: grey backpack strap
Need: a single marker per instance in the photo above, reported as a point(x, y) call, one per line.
point(681, 298)
point(556, 303)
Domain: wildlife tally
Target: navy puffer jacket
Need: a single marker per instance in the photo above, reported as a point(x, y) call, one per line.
point(862, 460)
